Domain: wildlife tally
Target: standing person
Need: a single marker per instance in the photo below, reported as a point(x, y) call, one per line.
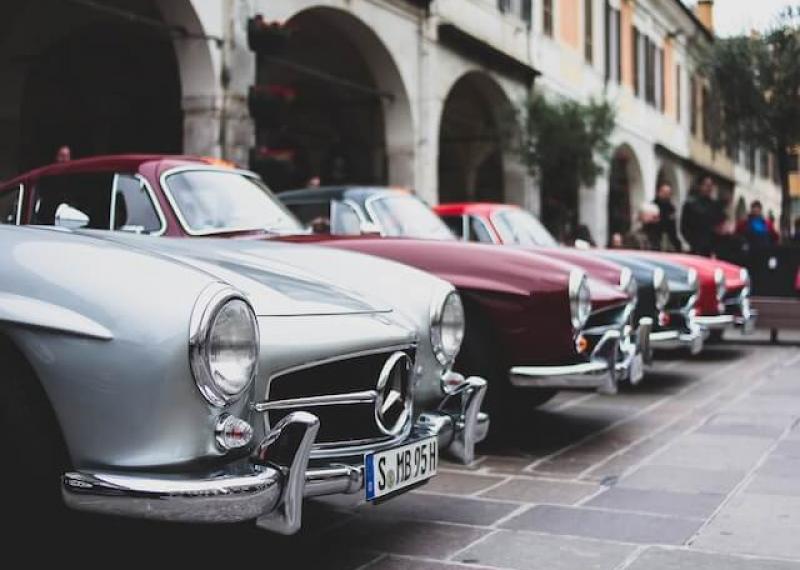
point(700, 217)
point(63, 154)
point(757, 230)
point(647, 235)
point(669, 240)
point(796, 234)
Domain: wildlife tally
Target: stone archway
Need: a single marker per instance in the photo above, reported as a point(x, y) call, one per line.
point(474, 130)
point(101, 78)
point(350, 121)
point(626, 190)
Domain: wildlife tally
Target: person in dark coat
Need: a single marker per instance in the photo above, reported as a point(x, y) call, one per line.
point(700, 218)
point(667, 223)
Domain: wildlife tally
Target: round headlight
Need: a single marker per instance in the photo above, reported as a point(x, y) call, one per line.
point(660, 288)
point(719, 283)
point(223, 344)
point(744, 275)
point(447, 327)
point(580, 300)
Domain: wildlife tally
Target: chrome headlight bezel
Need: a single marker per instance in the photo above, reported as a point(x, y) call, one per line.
point(719, 284)
point(661, 289)
point(447, 310)
point(209, 305)
point(580, 300)
point(628, 284)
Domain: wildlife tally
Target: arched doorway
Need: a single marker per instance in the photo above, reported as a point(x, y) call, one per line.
point(349, 119)
point(474, 131)
point(626, 190)
point(101, 83)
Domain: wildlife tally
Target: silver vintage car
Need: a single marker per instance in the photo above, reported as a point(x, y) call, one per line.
point(213, 385)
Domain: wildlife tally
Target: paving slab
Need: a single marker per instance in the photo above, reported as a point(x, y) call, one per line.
point(686, 505)
point(682, 479)
point(604, 524)
point(398, 563)
point(680, 559)
point(541, 491)
point(460, 483)
point(440, 508)
point(750, 425)
point(529, 551)
point(716, 452)
point(764, 525)
point(770, 485)
point(423, 539)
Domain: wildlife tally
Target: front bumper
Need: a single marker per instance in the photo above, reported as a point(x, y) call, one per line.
point(616, 356)
point(271, 485)
point(674, 339)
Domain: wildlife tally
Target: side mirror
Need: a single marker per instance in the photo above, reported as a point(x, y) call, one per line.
point(370, 229)
point(69, 217)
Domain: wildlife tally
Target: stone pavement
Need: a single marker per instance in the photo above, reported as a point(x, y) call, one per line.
point(697, 467)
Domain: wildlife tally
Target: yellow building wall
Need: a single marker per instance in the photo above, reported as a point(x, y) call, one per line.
point(569, 20)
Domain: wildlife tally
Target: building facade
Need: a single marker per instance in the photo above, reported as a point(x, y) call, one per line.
point(417, 93)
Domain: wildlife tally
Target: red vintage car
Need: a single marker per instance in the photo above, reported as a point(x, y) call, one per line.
point(724, 289)
point(532, 325)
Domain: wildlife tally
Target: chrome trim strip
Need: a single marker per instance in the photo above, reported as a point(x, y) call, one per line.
point(156, 205)
point(20, 200)
point(715, 321)
point(365, 397)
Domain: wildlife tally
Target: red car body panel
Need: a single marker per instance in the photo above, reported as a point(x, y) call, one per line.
point(597, 268)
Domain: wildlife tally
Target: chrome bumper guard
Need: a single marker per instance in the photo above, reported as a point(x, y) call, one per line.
point(634, 352)
point(458, 424)
point(599, 372)
point(269, 489)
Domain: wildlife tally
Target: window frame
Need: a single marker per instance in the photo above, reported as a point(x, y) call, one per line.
point(153, 200)
point(20, 199)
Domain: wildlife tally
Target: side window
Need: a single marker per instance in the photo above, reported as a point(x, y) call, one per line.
point(456, 225)
point(9, 205)
point(344, 219)
point(316, 215)
point(133, 209)
point(82, 196)
point(478, 231)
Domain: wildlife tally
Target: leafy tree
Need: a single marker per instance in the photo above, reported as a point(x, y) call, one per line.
point(755, 86)
point(565, 144)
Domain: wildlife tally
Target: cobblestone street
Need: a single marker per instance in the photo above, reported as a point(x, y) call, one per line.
point(697, 467)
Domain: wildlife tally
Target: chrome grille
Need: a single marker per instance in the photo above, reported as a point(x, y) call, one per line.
point(341, 393)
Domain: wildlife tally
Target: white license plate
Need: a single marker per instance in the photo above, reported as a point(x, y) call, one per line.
point(395, 469)
point(697, 344)
point(637, 369)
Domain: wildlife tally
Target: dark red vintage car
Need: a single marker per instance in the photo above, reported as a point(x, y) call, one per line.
point(534, 324)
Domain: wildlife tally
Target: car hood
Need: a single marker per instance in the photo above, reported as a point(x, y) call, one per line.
point(273, 287)
point(472, 266)
point(594, 266)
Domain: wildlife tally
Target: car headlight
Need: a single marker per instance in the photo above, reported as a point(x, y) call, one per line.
point(223, 344)
point(447, 327)
point(744, 275)
point(719, 283)
point(660, 288)
point(580, 300)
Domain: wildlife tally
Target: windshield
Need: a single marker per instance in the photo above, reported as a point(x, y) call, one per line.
point(518, 227)
point(210, 201)
point(403, 215)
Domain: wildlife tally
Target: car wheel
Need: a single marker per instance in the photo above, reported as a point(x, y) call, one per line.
point(29, 433)
point(506, 404)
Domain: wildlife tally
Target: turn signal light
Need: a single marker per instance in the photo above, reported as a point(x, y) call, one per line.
point(232, 432)
point(664, 318)
point(581, 344)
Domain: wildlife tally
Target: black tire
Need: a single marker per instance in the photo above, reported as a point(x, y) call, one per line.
point(31, 441)
point(715, 336)
point(506, 404)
